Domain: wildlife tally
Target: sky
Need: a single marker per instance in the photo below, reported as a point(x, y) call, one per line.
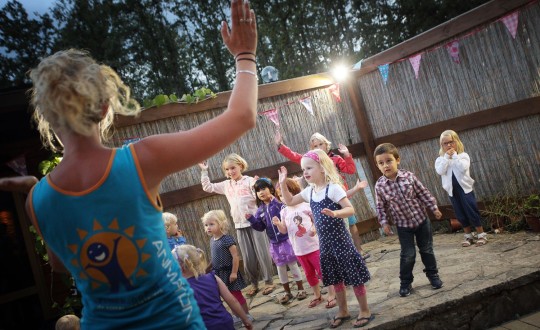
point(32, 6)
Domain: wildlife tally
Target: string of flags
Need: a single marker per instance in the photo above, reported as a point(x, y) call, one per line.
point(273, 114)
point(510, 21)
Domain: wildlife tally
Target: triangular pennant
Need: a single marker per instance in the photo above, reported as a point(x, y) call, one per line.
point(383, 69)
point(334, 89)
point(511, 22)
point(306, 102)
point(272, 114)
point(18, 165)
point(415, 62)
point(453, 50)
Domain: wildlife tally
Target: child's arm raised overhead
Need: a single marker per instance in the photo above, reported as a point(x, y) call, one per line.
point(161, 155)
point(288, 198)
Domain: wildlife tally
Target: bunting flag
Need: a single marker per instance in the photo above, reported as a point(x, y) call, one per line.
point(334, 89)
point(18, 165)
point(306, 102)
point(272, 114)
point(511, 22)
point(453, 50)
point(415, 62)
point(383, 69)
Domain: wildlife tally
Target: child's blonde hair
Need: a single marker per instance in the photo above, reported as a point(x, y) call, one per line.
point(169, 219)
point(68, 322)
point(320, 137)
point(220, 217)
point(449, 133)
point(235, 159)
point(70, 93)
point(331, 174)
point(190, 258)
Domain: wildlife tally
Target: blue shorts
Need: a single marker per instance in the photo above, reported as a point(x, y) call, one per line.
point(352, 220)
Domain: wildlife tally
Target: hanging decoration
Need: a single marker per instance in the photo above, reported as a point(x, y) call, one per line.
point(415, 62)
point(511, 23)
point(334, 89)
point(306, 102)
point(383, 69)
point(272, 114)
point(453, 50)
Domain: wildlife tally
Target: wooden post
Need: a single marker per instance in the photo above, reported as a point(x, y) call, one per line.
point(364, 128)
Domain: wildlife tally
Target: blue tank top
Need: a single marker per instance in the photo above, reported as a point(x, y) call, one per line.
point(112, 240)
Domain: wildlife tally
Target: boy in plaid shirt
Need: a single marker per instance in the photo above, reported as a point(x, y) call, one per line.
point(401, 194)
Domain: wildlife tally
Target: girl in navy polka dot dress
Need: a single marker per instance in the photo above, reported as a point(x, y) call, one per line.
point(224, 255)
point(340, 261)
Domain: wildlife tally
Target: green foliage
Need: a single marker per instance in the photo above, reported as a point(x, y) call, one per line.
point(46, 166)
point(198, 95)
point(531, 205)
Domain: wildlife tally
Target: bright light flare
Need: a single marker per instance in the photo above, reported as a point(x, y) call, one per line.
point(340, 72)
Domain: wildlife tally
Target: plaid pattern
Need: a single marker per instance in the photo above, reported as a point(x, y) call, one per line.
point(511, 22)
point(405, 198)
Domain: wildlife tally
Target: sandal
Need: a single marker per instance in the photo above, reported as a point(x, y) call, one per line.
point(467, 242)
point(339, 320)
point(252, 292)
point(286, 298)
point(315, 302)
point(481, 241)
point(331, 303)
point(301, 295)
point(367, 319)
point(268, 290)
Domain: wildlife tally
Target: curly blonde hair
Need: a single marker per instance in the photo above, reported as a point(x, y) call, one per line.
point(71, 93)
point(220, 217)
point(318, 136)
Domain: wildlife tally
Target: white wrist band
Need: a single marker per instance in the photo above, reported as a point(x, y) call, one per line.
point(248, 72)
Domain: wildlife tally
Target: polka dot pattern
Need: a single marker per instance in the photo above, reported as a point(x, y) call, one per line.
point(222, 262)
point(340, 261)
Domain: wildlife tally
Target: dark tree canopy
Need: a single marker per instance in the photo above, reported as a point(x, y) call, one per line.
point(174, 46)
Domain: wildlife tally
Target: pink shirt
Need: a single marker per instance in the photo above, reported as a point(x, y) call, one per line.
point(300, 231)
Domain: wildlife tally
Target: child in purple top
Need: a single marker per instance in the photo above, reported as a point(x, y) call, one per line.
point(280, 248)
point(208, 290)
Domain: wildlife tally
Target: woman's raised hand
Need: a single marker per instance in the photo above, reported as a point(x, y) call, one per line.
point(242, 37)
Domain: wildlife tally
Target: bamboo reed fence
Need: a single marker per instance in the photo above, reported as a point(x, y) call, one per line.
point(495, 70)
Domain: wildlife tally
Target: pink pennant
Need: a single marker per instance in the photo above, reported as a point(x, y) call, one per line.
point(415, 62)
point(306, 102)
point(334, 89)
point(511, 22)
point(272, 114)
point(453, 50)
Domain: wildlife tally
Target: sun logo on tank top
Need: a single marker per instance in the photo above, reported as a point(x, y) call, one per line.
point(97, 256)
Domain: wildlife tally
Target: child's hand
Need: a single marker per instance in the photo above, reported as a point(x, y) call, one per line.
point(438, 214)
point(204, 165)
point(329, 213)
point(256, 177)
point(247, 324)
point(387, 230)
point(313, 231)
point(360, 184)
point(450, 152)
point(276, 221)
point(278, 139)
point(247, 216)
point(282, 174)
point(233, 277)
point(343, 150)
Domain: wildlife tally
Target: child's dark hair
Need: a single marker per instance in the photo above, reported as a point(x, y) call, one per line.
point(263, 183)
point(386, 148)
